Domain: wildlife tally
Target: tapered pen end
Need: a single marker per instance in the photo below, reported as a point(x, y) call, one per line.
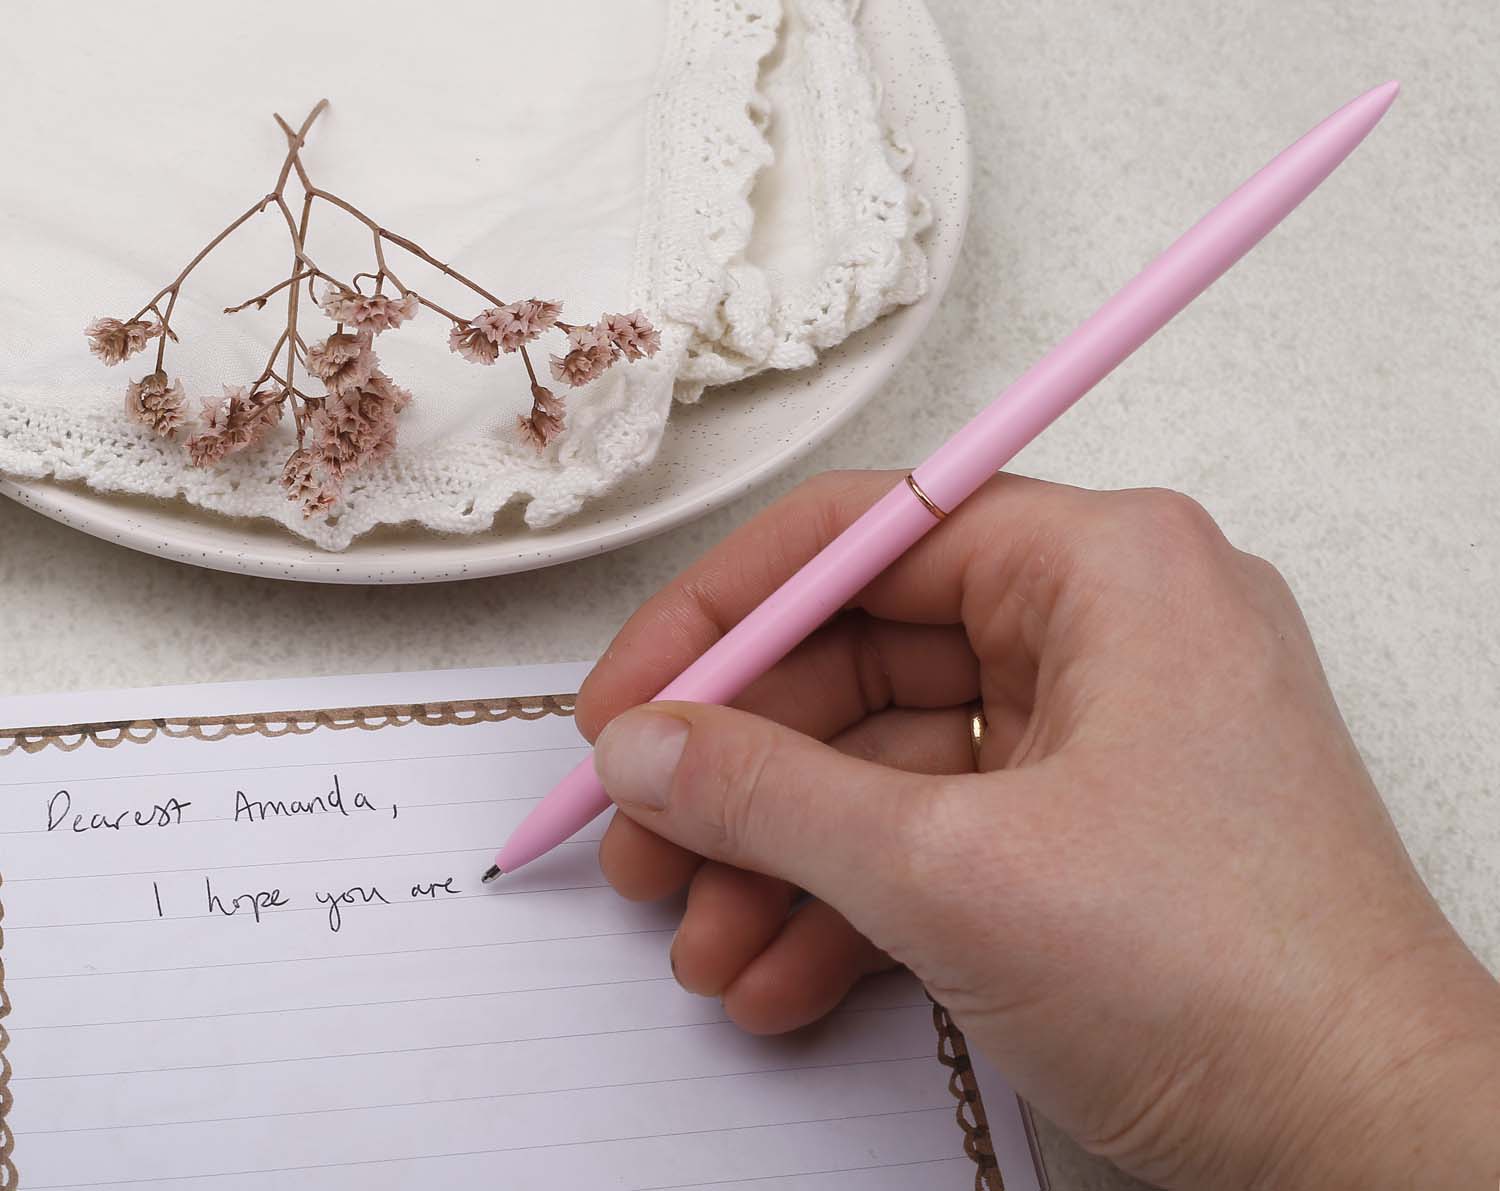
point(1385, 94)
point(491, 873)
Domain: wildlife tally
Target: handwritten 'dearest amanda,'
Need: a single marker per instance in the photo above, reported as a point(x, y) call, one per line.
point(351, 423)
point(171, 812)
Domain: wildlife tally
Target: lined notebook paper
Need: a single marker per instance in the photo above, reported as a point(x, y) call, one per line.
point(246, 947)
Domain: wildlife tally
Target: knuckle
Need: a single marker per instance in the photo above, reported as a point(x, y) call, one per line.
point(871, 676)
point(1165, 513)
point(1159, 531)
point(803, 522)
point(930, 836)
point(825, 490)
point(862, 746)
point(1265, 575)
point(1281, 629)
point(739, 775)
point(828, 482)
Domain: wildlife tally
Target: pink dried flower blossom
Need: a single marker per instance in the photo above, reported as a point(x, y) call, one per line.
point(542, 313)
point(248, 416)
point(353, 416)
point(324, 497)
point(591, 352)
point(632, 333)
point(547, 401)
point(342, 361)
point(377, 403)
point(368, 312)
point(358, 427)
point(596, 340)
point(473, 344)
point(382, 445)
point(516, 323)
point(539, 429)
point(157, 401)
point(113, 341)
point(204, 450)
point(299, 475)
point(306, 480)
point(498, 326)
point(336, 449)
point(213, 413)
point(239, 419)
point(390, 392)
point(343, 412)
point(545, 422)
point(322, 500)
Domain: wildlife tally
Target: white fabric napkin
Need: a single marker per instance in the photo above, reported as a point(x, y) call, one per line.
point(605, 158)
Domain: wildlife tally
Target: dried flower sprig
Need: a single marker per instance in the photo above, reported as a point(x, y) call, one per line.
point(113, 341)
point(352, 422)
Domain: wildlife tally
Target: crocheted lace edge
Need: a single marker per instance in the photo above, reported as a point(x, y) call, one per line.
point(879, 219)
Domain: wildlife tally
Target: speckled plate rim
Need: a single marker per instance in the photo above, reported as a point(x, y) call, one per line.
point(921, 89)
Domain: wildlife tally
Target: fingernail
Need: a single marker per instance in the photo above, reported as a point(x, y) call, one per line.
point(637, 754)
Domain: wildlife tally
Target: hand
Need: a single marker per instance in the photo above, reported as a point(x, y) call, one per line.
point(1171, 908)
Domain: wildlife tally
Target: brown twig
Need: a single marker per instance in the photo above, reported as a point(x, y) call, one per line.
point(269, 371)
point(296, 141)
point(530, 371)
point(433, 306)
point(259, 301)
point(298, 257)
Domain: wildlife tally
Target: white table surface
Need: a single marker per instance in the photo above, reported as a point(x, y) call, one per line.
point(1335, 402)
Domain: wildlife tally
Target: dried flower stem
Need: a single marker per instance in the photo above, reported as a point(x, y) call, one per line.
point(260, 299)
point(294, 293)
point(297, 139)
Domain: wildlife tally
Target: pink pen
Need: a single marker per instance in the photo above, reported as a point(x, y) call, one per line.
point(976, 452)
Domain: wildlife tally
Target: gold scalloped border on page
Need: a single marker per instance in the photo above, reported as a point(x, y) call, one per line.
point(952, 1051)
point(8, 1178)
point(69, 737)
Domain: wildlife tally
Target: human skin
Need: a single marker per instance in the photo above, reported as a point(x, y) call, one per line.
point(1171, 906)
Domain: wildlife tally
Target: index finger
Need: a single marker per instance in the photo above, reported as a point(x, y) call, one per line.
point(926, 586)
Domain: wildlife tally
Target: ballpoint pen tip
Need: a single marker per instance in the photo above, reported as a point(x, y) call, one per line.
point(491, 873)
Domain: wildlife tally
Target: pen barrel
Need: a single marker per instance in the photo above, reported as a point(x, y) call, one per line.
point(793, 612)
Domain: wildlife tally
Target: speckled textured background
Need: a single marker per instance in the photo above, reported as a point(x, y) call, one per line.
point(1335, 402)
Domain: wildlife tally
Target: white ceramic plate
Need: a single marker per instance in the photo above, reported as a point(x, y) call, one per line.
point(712, 453)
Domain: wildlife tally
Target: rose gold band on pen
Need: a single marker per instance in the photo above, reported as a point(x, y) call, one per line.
point(927, 502)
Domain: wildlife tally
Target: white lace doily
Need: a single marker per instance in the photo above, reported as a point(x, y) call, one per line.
point(719, 163)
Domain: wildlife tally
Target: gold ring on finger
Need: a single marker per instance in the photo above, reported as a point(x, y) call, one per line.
point(977, 726)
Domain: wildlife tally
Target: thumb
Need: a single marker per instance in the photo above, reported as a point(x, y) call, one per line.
point(740, 789)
